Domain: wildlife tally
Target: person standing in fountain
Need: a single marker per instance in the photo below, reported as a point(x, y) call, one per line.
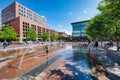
point(91, 48)
point(47, 49)
point(96, 44)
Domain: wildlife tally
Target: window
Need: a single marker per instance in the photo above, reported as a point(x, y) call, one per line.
point(19, 13)
point(19, 6)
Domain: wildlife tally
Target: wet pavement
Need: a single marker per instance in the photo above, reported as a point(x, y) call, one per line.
point(71, 63)
point(14, 71)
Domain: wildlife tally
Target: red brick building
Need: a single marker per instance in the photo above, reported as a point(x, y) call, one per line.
point(21, 18)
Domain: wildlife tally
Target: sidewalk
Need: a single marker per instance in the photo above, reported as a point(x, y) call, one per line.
point(109, 62)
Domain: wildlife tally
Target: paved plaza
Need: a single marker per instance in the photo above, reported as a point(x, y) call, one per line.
point(109, 61)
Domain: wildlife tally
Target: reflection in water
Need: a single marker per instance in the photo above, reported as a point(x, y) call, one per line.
point(80, 64)
point(76, 62)
point(78, 53)
point(47, 62)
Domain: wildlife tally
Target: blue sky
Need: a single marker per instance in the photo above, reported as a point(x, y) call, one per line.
point(59, 13)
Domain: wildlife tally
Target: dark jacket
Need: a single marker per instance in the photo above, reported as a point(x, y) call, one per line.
point(96, 44)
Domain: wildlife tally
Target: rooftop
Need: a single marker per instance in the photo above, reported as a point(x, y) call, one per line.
point(80, 22)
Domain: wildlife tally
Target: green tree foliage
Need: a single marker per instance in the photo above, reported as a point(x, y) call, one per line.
point(31, 34)
point(96, 28)
point(45, 36)
point(9, 33)
point(110, 9)
point(53, 37)
point(61, 37)
point(106, 24)
point(0, 26)
point(1, 35)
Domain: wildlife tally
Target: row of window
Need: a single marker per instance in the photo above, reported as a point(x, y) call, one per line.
point(8, 15)
point(10, 7)
point(78, 34)
point(25, 28)
point(39, 29)
point(7, 19)
point(79, 27)
point(25, 12)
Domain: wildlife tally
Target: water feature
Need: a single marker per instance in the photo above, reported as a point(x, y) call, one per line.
point(78, 63)
point(76, 60)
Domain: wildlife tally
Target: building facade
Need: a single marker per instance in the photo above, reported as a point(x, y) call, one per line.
point(78, 30)
point(63, 34)
point(21, 18)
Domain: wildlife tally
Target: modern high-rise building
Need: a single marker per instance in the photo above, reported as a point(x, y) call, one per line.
point(78, 30)
point(21, 18)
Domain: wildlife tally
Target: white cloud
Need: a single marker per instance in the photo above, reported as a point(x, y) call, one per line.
point(61, 28)
point(66, 31)
point(69, 14)
point(43, 17)
point(85, 11)
point(59, 25)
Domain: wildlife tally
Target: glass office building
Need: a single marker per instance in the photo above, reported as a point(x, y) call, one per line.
point(78, 29)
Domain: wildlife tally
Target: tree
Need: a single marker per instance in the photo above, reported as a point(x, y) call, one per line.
point(1, 35)
point(105, 24)
point(0, 26)
point(53, 37)
point(61, 37)
point(9, 33)
point(94, 28)
point(111, 11)
point(97, 28)
point(31, 34)
point(45, 36)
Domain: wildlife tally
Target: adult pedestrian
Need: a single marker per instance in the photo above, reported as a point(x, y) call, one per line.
point(96, 44)
point(5, 44)
point(47, 49)
point(111, 43)
point(91, 48)
point(88, 42)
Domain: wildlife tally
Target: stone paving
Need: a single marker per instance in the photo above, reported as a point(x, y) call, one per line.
point(100, 67)
point(46, 74)
point(13, 72)
point(109, 63)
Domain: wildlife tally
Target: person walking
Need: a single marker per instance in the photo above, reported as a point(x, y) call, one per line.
point(111, 43)
point(5, 44)
point(47, 49)
point(96, 44)
point(88, 42)
point(91, 48)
